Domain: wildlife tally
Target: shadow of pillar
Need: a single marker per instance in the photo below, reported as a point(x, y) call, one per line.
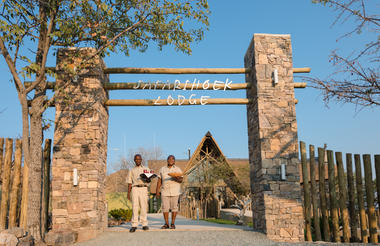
point(80, 142)
point(272, 139)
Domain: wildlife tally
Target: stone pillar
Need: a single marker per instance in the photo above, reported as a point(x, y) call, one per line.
point(272, 139)
point(80, 142)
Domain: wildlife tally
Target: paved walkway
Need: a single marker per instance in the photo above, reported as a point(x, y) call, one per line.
point(182, 224)
point(187, 232)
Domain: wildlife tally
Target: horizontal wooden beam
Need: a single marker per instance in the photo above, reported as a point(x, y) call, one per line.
point(299, 84)
point(171, 86)
point(157, 70)
point(151, 70)
point(174, 102)
point(136, 70)
point(162, 86)
point(301, 70)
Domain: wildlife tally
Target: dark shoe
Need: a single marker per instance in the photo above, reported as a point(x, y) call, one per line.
point(145, 228)
point(166, 226)
point(172, 226)
point(133, 229)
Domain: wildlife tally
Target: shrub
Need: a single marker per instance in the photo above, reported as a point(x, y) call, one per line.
point(121, 214)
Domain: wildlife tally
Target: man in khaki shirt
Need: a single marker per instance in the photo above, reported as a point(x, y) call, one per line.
point(170, 190)
point(138, 188)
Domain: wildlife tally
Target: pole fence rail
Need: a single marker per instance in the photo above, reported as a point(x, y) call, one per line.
point(334, 196)
point(13, 178)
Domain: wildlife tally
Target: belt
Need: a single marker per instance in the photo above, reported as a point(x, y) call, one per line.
point(139, 186)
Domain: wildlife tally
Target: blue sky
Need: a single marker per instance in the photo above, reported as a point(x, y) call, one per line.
point(343, 127)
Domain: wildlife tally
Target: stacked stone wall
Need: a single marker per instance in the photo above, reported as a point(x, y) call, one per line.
point(80, 142)
point(272, 138)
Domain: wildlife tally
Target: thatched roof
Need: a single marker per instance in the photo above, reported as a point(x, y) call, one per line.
point(209, 150)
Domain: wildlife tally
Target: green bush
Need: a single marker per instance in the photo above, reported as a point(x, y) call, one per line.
point(121, 214)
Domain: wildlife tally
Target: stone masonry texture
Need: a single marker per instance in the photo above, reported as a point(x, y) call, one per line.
point(272, 139)
point(80, 141)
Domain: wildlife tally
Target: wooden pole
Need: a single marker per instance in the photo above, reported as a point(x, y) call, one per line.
point(322, 194)
point(6, 181)
point(24, 196)
point(301, 70)
point(343, 197)
point(170, 86)
point(45, 187)
point(306, 189)
point(333, 201)
point(370, 199)
point(163, 86)
point(15, 185)
point(377, 167)
point(184, 70)
point(174, 102)
point(1, 155)
point(154, 70)
point(360, 197)
point(351, 199)
point(314, 194)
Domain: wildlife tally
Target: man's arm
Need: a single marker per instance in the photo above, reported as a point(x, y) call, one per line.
point(129, 191)
point(179, 179)
point(129, 182)
point(158, 187)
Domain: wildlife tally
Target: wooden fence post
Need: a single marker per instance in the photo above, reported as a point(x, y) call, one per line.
point(359, 191)
point(46, 187)
point(6, 180)
point(306, 189)
point(377, 167)
point(343, 197)
point(15, 185)
point(24, 195)
point(1, 155)
point(333, 201)
point(322, 194)
point(314, 194)
point(370, 199)
point(351, 199)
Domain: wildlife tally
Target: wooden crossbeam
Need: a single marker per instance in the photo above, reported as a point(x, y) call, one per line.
point(155, 70)
point(174, 102)
point(162, 86)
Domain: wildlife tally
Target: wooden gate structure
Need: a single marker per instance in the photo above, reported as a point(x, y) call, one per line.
point(81, 125)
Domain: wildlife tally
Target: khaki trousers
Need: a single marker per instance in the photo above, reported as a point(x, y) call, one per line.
point(139, 201)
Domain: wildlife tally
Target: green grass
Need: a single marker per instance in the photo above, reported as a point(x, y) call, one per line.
point(220, 221)
point(118, 200)
point(226, 222)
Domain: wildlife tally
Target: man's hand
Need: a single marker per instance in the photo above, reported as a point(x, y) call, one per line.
point(178, 179)
point(158, 195)
point(129, 196)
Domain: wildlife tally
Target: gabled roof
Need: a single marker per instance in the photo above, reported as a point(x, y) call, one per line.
point(209, 149)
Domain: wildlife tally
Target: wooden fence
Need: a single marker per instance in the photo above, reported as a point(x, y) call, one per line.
point(14, 182)
point(336, 205)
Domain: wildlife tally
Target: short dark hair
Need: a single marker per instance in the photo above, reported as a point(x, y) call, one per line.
point(134, 158)
point(170, 156)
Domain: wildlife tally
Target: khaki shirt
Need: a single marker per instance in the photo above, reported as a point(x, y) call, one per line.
point(169, 187)
point(134, 175)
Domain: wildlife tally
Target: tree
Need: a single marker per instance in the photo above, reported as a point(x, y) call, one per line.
point(148, 154)
point(30, 29)
point(356, 76)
